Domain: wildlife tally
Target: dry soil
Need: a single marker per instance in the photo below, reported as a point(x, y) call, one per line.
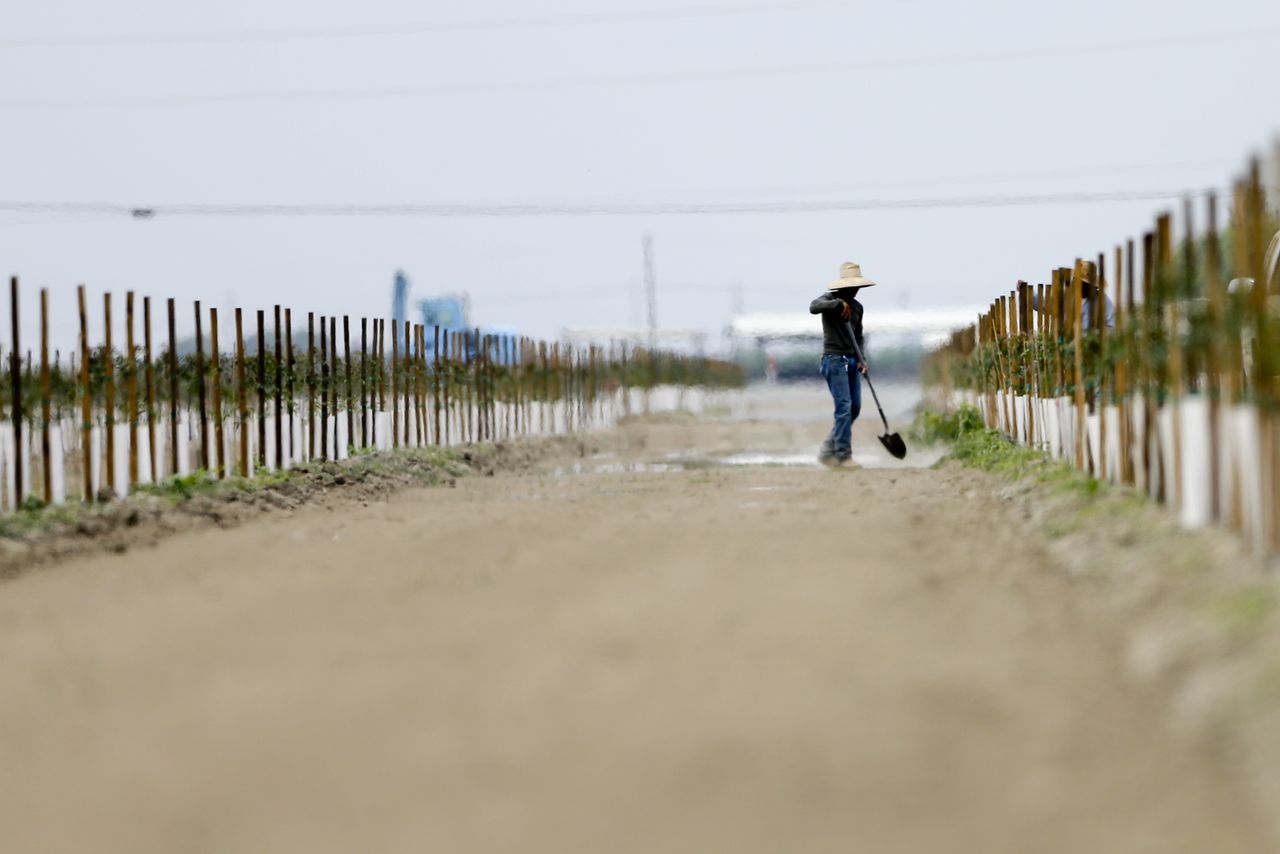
point(641, 651)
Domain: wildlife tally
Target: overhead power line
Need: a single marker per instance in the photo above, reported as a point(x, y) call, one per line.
point(711, 75)
point(525, 22)
point(1001, 177)
point(572, 210)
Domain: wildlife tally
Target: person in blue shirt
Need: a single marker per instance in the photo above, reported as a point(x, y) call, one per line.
point(1089, 293)
point(842, 342)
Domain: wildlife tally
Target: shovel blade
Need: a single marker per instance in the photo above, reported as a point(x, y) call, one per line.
point(894, 445)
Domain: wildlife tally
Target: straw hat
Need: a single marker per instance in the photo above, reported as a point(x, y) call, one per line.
point(851, 277)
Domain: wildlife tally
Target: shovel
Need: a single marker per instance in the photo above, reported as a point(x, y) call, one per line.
point(892, 441)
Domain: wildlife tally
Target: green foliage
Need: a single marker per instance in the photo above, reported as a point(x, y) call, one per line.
point(31, 504)
point(988, 450)
point(180, 487)
point(933, 427)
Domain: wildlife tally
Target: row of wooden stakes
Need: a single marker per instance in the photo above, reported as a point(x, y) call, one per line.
point(1119, 350)
point(407, 384)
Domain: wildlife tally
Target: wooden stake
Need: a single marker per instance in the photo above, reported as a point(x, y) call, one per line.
point(242, 395)
point(1098, 316)
point(131, 389)
point(333, 380)
point(435, 381)
point(1077, 317)
point(380, 379)
point(408, 375)
point(261, 455)
point(279, 397)
point(1214, 356)
point(203, 412)
point(15, 377)
point(324, 389)
point(364, 382)
point(419, 425)
point(109, 403)
point(311, 386)
point(218, 431)
point(86, 409)
point(173, 392)
point(446, 385)
point(395, 389)
point(46, 399)
point(149, 379)
point(1120, 386)
point(346, 357)
point(289, 380)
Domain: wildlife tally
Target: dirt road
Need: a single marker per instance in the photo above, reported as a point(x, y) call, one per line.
point(645, 652)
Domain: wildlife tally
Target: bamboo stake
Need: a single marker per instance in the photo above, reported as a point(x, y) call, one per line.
point(311, 386)
point(86, 410)
point(46, 399)
point(419, 403)
point(174, 468)
point(1154, 468)
point(507, 386)
point(15, 377)
point(346, 357)
point(364, 382)
point(408, 418)
point(324, 389)
point(289, 379)
point(260, 458)
point(333, 380)
point(1173, 320)
point(131, 389)
point(1120, 382)
point(279, 397)
point(435, 382)
point(446, 385)
point(1077, 316)
point(1098, 318)
point(484, 364)
point(463, 351)
point(380, 349)
point(1213, 358)
point(109, 375)
point(544, 358)
point(204, 414)
point(149, 379)
point(242, 394)
point(395, 385)
point(218, 429)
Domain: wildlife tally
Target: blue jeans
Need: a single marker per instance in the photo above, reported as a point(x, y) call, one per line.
point(841, 374)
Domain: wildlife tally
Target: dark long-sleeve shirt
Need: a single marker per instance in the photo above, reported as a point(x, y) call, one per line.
point(836, 340)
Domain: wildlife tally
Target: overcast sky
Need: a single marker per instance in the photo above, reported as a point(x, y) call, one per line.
point(498, 102)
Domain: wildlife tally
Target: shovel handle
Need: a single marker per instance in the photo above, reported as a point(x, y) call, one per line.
point(862, 360)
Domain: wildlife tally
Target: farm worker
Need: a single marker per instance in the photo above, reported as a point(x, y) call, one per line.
point(842, 341)
point(1089, 294)
point(1088, 283)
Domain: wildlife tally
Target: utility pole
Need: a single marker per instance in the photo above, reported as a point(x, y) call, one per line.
point(650, 291)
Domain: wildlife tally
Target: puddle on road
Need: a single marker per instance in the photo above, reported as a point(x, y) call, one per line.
point(868, 458)
point(616, 467)
point(756, 459)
